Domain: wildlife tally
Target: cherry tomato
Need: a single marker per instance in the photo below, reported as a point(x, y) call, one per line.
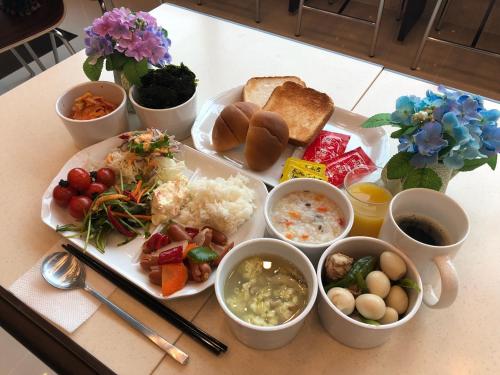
point(79, 205)
point(63, 194)
point(79, 179)
point(105, 176)
point(95, 188)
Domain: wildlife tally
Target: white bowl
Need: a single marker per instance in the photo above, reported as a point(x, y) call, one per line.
point(259, 337)
point(349, 331)
point(176, 121)
point(313, 251)
point(88, 132)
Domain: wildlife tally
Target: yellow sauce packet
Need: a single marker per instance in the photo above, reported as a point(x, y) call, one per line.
point(297, 169)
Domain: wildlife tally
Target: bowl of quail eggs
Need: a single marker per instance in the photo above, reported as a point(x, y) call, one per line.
point(367, 289)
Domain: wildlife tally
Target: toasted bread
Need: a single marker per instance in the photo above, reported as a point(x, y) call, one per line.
point(305, 110)
point(259, 89)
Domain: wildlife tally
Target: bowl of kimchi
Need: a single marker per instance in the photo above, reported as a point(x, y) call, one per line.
point(93, 111)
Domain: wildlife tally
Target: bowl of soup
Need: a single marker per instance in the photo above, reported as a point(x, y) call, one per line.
point(266, 287)
point(309, 214)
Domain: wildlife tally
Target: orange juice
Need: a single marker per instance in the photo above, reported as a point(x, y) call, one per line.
point(370, 203)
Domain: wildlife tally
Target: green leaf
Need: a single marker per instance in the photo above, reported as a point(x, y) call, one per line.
point(117, 61)
point(470, 165)
point(492, 161)
point(134, 70)
point(360, 282)
point(370, 321)
point(377, 120)
point(93, 71)
point(422, 178)
point(398, 133)
point(409, 284)
point(202, 255)
point(399, 165)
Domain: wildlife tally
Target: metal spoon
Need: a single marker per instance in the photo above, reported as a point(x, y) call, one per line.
point(62, 270)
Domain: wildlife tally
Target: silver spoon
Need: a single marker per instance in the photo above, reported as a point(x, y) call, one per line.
point(62, 270)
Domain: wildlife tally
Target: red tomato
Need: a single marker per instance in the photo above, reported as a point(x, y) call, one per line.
point(63, 194)
point(79, 179)
point(105, 176)
point(79, 205)
point(95, 189)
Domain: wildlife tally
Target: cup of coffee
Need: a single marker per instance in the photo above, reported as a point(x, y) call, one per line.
point(430, 228)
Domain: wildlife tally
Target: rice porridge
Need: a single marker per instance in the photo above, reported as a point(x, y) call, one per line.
point(307, 217)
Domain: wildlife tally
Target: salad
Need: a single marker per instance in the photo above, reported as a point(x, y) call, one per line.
point(117, 198)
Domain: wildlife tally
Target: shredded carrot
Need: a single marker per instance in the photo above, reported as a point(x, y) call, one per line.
point(294, 214)
point(322, 209)
point(104, 198)
point(118, 190)
point(137, 216)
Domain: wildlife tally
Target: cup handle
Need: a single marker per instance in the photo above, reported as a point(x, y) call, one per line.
point(449, 284)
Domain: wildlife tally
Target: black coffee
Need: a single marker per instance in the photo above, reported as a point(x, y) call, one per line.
point(424, 230)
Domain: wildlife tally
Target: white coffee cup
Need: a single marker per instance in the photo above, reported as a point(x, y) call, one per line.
point(434, 263)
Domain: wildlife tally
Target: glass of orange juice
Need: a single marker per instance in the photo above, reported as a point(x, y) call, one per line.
point(370, 200)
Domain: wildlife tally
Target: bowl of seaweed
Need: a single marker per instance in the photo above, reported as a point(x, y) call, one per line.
point(166, 99)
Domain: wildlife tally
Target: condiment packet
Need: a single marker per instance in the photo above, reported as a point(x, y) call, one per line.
point(337, 169)
point(312, 166)
point(326, 147)
point(296, 168)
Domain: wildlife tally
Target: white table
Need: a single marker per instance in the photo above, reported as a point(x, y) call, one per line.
point(36, 145)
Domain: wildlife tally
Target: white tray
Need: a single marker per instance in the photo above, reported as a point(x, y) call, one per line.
point(123, 259)
point(375, 142)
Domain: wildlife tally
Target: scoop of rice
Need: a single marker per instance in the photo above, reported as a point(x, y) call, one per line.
point(223, 204)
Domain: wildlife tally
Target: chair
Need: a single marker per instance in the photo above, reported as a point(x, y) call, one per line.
point(257, 9)
point(17, 31)
point(375, 24)
point(471, 47)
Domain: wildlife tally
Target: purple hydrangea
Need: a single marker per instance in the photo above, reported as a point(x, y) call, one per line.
point(136, 35)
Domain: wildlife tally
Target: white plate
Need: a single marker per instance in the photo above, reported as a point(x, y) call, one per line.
point(374, 142)
point(123, 259)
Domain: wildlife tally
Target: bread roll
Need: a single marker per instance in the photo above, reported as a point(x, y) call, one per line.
point(231, 127)
point(267, 138)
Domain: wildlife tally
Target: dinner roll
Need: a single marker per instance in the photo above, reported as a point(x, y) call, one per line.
point(266, 139)
point(230, 128)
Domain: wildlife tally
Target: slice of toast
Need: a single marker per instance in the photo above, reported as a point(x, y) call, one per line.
point(305, 110)
point(259, 89)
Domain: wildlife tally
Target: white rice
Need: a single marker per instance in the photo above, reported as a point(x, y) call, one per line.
point(224, 204)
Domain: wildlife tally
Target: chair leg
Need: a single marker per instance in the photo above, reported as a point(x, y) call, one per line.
point(23, 62)
point(377, 28)
point(299, 18)
point(442, 15)
point(68, 46)
point(54, 47)
point(34, 56)
point(199, 2)
point(426, 34)
point(401, 10)
point(257, 11)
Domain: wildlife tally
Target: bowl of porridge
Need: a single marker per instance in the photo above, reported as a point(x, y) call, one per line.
point(309, 214)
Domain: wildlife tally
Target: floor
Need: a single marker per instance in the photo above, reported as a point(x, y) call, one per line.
point(443, 64)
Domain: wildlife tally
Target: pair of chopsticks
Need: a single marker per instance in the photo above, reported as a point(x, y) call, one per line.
point(134, 291)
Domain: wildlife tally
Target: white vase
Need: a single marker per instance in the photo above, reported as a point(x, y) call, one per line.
point(396, 185)
point(176, 121)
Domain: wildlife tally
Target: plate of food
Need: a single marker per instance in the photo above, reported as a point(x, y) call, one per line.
point(159, 213)
point(258, 126)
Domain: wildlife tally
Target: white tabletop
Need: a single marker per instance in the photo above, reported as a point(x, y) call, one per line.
point(36, 145)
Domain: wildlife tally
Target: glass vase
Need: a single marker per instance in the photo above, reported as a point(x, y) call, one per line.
point(121, 80)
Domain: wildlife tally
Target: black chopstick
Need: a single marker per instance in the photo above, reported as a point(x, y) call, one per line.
point(133, 290)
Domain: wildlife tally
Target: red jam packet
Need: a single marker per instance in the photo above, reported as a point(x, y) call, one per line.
point(326, 147)
point(337, 169)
